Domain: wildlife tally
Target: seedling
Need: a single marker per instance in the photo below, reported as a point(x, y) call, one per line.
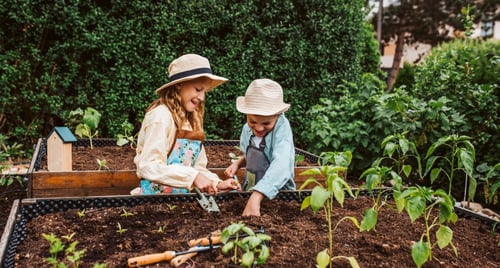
point(162, 228)
point(57, 246)
point(102, 164)
point(120, 229)
point(171, 207)
point(332, 167)
point(245, 250)
point(127, 136)
point(81, 213)
point(126, 213)
point(87, 127)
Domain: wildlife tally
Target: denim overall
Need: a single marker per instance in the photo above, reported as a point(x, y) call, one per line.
point(257, 164)
point(185, 152)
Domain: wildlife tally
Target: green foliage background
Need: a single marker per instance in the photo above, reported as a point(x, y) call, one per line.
point(56, 56)
point(454, 91)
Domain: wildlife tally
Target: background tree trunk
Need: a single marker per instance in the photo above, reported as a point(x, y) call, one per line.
point(396, 63)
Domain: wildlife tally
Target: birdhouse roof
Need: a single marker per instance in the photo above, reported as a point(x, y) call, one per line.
point(64, 133)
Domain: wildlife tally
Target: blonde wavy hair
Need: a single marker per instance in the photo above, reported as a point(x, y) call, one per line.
point(172, 99)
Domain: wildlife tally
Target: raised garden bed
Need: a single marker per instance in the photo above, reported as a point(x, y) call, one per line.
point(119, 177)
point(297, 236)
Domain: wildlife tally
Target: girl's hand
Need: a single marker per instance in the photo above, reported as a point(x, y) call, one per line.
point(205, 184)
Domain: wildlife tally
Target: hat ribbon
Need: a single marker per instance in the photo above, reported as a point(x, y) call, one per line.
point(189, 73)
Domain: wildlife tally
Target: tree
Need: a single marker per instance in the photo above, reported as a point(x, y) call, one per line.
point(428, 21)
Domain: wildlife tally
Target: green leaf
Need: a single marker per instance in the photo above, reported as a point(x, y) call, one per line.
point(370, 220)
point(247, 259)
point(467, 161)
point(318, 197)
point(263, 255)
point(323, 259)
point(415, 206)
point(228, 247)
point(404, 144)
point(430, 163)
point(435, 174)
point(444, 235)
point(407, 170)
point(420, 252)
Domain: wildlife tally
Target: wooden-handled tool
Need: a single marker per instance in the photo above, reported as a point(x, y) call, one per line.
point(216, 239)
point(165, 256)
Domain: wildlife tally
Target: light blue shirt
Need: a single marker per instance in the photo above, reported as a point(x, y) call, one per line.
point(280, 151)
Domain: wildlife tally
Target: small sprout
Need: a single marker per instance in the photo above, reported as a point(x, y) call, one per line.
point(162, 228)
point(69, 237)
point(102, 164)
point(81, 213)
point(120, 229)
point(171, 207)
point(126, 213)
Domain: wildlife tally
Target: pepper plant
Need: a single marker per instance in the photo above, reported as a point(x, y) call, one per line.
point(397, 150)
point(333, 166)
point(421, 201)
point(460, 158)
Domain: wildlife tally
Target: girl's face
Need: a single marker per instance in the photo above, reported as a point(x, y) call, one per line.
point(261, 125)
point(192, 92)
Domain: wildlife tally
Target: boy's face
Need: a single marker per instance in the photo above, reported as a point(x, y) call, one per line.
point(261, 125)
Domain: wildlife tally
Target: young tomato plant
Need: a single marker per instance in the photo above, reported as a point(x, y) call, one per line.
point(242, 239)
point(421, 201)
point(333, 166)
point(460, 158)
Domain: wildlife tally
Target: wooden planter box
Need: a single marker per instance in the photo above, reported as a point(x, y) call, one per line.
point(44, 183)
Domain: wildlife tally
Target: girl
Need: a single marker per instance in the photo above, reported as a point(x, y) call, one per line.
point(170, 156)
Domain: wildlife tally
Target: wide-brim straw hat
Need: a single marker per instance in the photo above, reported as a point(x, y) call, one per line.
point(263, 97)
point(190, 66)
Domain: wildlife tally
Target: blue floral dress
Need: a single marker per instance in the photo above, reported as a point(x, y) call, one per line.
point(185, 152)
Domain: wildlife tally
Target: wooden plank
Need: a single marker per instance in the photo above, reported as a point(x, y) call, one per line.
point(98, 183)
point(84, 179)
point(9, 228)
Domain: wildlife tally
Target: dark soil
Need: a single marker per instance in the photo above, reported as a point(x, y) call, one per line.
point(297, 236)
point(122, 158)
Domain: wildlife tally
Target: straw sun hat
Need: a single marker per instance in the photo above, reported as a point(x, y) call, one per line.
point(190, 66)
point(263, 97)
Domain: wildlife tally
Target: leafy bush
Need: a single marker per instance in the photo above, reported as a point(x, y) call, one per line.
point(57, 56)
point(466, 74)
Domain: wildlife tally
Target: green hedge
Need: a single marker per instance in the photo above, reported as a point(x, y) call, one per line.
point(111, 55)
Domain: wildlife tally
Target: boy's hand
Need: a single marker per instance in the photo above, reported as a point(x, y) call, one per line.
point(229, 185)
